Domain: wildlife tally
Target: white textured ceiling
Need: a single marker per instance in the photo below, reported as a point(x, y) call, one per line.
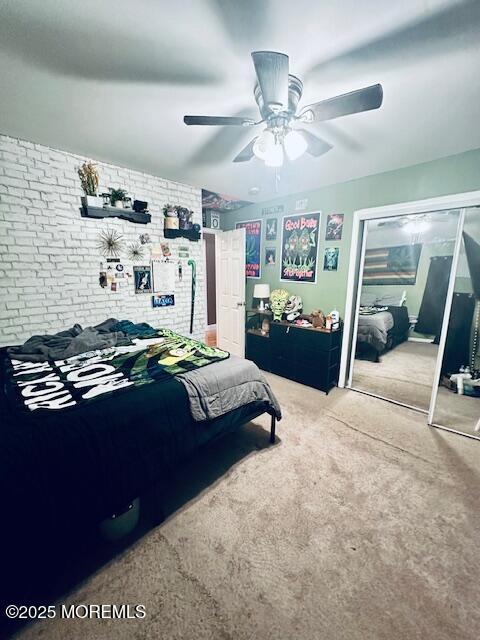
point(112, 79)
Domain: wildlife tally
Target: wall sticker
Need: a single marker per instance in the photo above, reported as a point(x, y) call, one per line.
point(273, 210)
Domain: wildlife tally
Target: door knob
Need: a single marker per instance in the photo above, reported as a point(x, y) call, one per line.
point(240, 304)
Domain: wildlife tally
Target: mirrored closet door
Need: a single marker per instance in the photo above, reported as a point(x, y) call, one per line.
point(456, 403)
point(406, 267)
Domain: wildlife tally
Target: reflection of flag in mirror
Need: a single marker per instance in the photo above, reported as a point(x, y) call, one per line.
point(392, 265)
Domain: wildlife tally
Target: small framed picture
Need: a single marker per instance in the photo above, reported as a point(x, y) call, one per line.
point(334, 226)
point(270, 256)
point(142, 276)
point(166, 249)
point(214, 220)
point(330, 259)
point(163, 300)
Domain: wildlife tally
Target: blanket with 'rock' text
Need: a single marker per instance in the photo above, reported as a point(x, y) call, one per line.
point(61, 384)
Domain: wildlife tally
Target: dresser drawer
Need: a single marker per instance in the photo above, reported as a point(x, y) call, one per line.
point(283, 367)
point(308, 356)
point(258, 350)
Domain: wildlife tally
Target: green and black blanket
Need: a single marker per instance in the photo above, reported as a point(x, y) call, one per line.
point(60, 384)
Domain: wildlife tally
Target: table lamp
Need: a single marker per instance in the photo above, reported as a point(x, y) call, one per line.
point(262, 292)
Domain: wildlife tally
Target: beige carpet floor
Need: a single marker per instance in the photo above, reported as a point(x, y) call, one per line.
point(361, 523)
point(404, 374)
point(457, 412)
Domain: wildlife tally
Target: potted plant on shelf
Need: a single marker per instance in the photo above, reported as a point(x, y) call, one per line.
point(170, 217)
point(88, 175)
point(117, 197)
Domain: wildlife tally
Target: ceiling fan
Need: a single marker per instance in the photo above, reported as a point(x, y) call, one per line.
point(414, 220)
point(277, 94)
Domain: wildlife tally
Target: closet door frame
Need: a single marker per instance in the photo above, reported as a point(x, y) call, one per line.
point(446, 314)
point(460, 201)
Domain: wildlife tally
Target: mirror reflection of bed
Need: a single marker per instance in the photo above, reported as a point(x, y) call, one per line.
point(404, 286)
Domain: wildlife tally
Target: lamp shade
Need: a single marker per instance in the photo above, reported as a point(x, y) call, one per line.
point(261, 291)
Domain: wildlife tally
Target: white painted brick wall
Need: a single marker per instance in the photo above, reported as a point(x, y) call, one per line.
point(49, 261)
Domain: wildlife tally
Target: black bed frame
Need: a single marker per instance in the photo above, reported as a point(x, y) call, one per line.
point(157, 489)
point(273, 423)
point(395, 336)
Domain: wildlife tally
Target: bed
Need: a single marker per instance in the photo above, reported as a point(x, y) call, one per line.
point(70, 457)
point(381, 326)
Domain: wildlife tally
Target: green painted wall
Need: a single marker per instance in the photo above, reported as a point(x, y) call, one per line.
point(454, 174)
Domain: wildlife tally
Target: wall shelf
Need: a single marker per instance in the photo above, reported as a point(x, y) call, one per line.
point(189, 234)
point(114, 212)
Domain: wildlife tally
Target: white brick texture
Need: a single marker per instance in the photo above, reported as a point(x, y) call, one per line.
point(49, 260)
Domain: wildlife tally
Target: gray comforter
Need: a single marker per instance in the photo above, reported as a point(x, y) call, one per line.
point(372, 329)
point(68, 343)
point(225, 386)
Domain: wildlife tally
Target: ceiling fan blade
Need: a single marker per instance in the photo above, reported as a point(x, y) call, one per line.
point(354, 102)
point(316, 146)
point(218, 121)
point(272, 73)
point(246, 153)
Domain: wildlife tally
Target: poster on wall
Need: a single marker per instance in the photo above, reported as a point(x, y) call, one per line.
point(300, 247)
point(334, 226)
point(253, 235)
point(330, 259)
point(143, 279)
point(270, 256)
point(271, 233)
point(163, 276)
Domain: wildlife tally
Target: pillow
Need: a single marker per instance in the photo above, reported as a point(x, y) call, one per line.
point(368, 299)
point(390, 299)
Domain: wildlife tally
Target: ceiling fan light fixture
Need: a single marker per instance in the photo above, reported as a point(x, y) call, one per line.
point(416, 226)
point(274, 156)
point(263, 144)
point(295, 145)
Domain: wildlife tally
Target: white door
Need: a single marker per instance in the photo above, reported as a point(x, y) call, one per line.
point(230, 275)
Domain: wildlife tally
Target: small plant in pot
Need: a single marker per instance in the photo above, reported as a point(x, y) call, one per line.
point(89, 180)
point(117, 197)
point(170, 213)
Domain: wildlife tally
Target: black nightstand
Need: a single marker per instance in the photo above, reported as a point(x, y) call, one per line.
point(257, 343)
point(304, 354)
